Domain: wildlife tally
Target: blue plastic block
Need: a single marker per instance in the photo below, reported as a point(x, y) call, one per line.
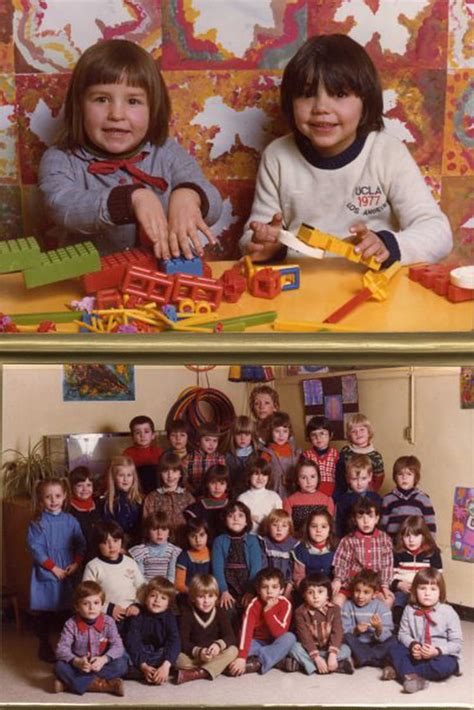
point(18, 254)
point(293, 284)
point(170, 312)
point(86, 318)
point(61, 264)
point(180, 265)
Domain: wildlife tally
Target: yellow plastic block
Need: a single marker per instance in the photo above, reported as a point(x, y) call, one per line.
point(321, 240)
point(377, 283)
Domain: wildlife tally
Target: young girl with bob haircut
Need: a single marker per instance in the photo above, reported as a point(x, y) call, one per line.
point(278, 544)
point(58, 547)
point(156, 556)
point(209, 507)
point(359, 433)
point(196, 558)
point(315, 553)
point(208, 642)
point(281, 452)
point(414, 550)
point(258, 496)
point(123, 499)
point(306, 496)
point(242, 449)
point(332, 99)
point(114, 168)
point(430, 637)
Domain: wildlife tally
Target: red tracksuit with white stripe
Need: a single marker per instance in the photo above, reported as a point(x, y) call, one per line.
point(264, 625)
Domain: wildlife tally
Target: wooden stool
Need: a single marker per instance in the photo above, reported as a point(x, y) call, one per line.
point(11, 595)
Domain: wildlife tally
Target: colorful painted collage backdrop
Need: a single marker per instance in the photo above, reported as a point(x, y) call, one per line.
point(222, 61)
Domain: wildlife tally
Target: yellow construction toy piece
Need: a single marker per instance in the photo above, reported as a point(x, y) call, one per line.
point(377, 283)
point(321, 240)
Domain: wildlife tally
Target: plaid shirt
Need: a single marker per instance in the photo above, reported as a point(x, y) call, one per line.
point(80, 639)
point(198, 463)
point(358, 551)
point(327, 468)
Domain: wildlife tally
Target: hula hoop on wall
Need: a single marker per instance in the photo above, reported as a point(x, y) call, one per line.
point(188, 407)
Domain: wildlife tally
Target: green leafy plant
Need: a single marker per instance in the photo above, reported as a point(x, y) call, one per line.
point(21, 474)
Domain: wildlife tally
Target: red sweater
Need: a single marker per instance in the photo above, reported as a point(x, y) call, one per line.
point(264, 625)
point(144, 455)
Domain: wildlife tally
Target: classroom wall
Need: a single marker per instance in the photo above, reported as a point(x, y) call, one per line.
point(443, 441)
point(222, 61)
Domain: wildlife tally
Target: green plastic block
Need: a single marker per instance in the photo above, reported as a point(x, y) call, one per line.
point(18, 254)
point(61, 264)
point(54, 316)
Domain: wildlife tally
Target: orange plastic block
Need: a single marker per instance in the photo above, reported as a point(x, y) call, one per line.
point(426, 274)
point(436, 278)
point(233, 284)
point(147, 285)
point(113, 268)
point(456, 294)
point(266, 283)
point(327, 242)
point(197, 288)
point(108, 298)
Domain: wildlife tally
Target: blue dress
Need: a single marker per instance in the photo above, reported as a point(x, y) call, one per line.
point(58, 538)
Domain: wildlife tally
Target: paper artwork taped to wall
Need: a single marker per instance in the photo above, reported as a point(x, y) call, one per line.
point(98, 383)
point(467, 387)
point(333, 398)
point(462, 531)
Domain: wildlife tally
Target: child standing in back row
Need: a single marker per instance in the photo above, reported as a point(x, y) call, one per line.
point(123, 499)
point(114, 170)
point(359, 432)
point(242, 450)
point(332, 98)
point(263, 402)
point(144, 452)
point(281, 452)
point(320, 432)
point(204, 457)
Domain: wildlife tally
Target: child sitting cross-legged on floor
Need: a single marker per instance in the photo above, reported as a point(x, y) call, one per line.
point(265, 639)
point(207, 639)
point(319, 629)
point(90, 653)
point(152, 637)
point(367, 622)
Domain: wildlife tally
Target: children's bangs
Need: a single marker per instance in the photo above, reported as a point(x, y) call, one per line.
point(118, 73)
point(336, 79)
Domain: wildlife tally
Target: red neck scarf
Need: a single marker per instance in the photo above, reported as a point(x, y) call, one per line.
point(428, 621)
point(80, 504)
point(107, 167)
point(319, 545)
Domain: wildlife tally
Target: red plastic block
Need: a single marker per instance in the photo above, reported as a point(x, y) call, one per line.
point(108, 298)
point(113, 268)
point(440, 285)
point(266, 283)
point(233, 284)
point(456, 294)
point(349, 306)
point(147, 285)
point(197, 288)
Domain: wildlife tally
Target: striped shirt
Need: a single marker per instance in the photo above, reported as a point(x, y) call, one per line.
point(327, 467)
point(156, 560)
point(264, 625)
point(352, 615)
point(398, 505)
point(358, 551)
point(406, 565)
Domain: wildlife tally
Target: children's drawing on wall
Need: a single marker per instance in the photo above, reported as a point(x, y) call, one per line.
point(333, 398)
point(462, 533)
point(98, 383)
point(467, 387)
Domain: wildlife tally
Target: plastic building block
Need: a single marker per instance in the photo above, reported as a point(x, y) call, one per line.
point(18, 254)
point(233, 284)
point(456, 294)
point(290, 277)
point(266, 283)
point(108, 298)
point(113, 268)
point(46, 326)
point(249, 269)
point(437, 278)
point(180, 265)
point(170, 312)
point(61, 264)
point(197, 288)
point(315, 238)
point(349, 306)
point(288, 239)
point(239, 323)
point(147, 285)
point(307, 327)
point(35, 318)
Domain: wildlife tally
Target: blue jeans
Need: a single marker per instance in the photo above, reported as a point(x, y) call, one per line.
point(401, 599)
point(302, 656)
point(437, 668)
point(372, 653)
point(78, 682)
point(269, 653)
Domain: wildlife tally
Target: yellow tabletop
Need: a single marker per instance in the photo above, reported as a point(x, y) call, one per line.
point(325, 286)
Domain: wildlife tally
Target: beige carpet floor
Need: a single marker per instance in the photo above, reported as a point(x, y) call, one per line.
point(25, 679)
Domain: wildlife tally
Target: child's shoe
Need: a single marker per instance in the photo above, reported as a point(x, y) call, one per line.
point(103, 685)
point(184, 676)
point(345, 666)
point(288, 664)
point(252, 665)
point(46, 652)
point(413, 682)
point(389, 673)
point(58, 686)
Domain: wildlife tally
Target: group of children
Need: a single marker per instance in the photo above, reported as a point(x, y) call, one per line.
point(242, 558)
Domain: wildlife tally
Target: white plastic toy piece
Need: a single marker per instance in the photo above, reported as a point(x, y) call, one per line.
point(289, 240)
point(463, 277)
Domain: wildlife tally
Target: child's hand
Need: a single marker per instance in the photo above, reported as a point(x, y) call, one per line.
point(213, 650)
point(416, 651)
point(97, 663)
point(162, 673)
point(321, 664)
point(368, 243)
point(335, 585)
point(132, 610)
point(148, 672)
point(184, 221)
point(227, 600)
point(428, 651)
point(288, 590)
point(237, 667)
point(59, 573)
point(270, 604)
point(387, 596)
point(332, 662)
point(265, 243)
point(361, 628)
point(376, 622)
point(83, 663)
point(152, 220)
point(70, 569)
point(118, 612)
